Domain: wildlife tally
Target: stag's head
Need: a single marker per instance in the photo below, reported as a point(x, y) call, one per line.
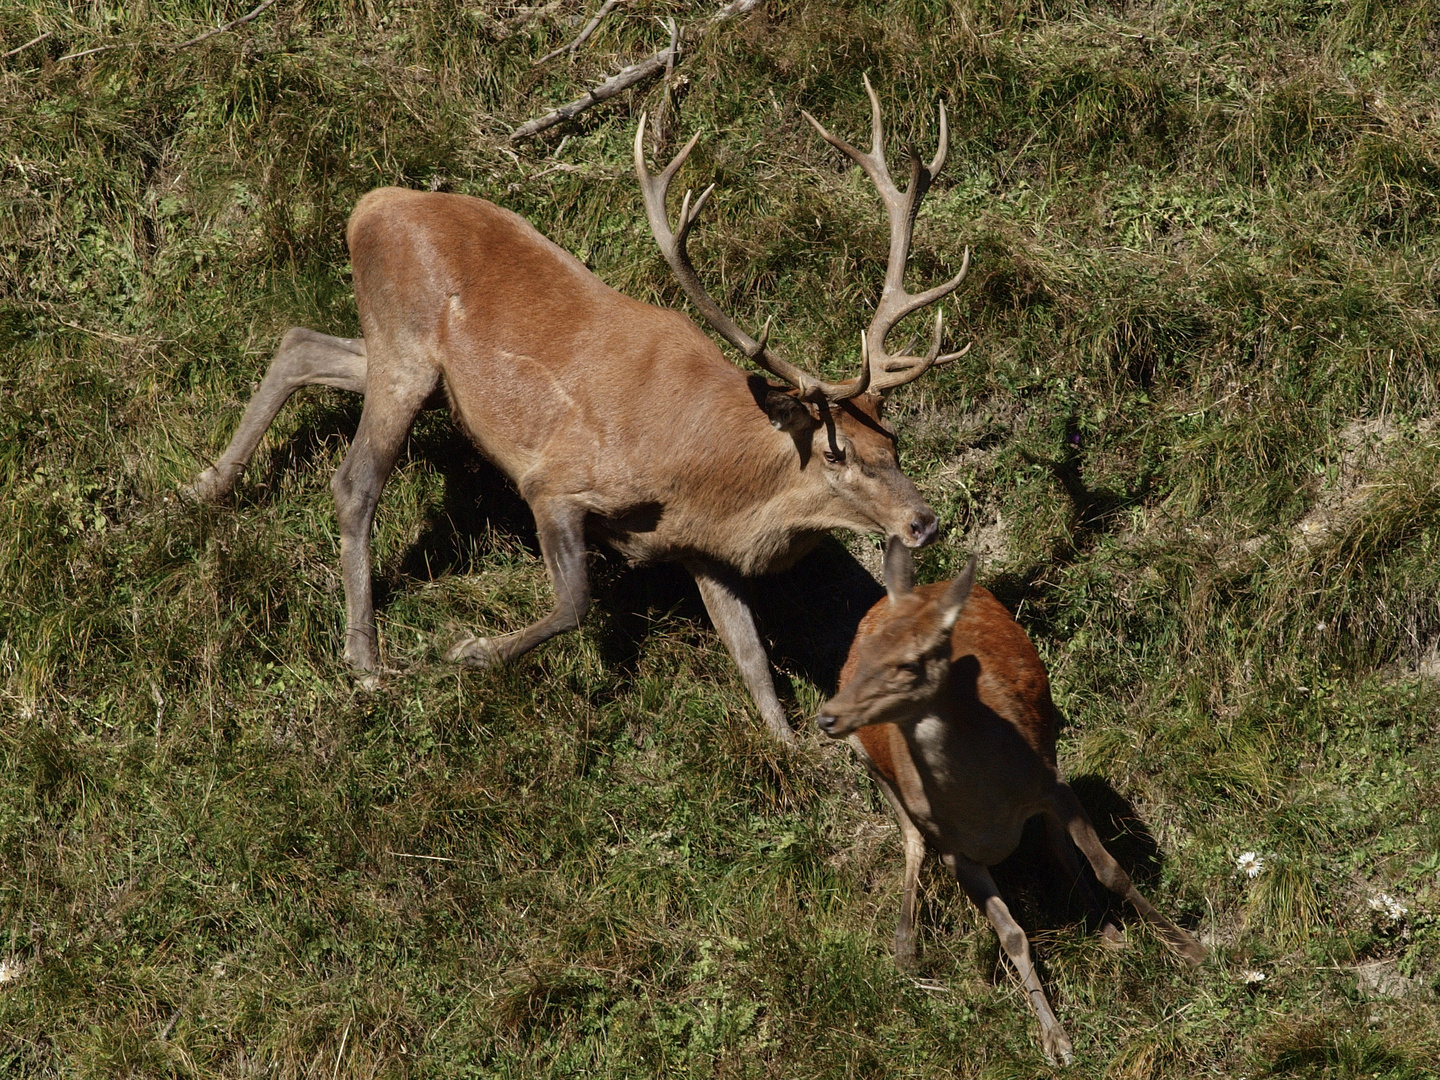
point(837, 425)
point(902, 663)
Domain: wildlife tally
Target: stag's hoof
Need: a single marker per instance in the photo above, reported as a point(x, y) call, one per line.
point(210, 486)
point(905, 958)
point(1112, 935)
point(779, 727)
point(476, 652)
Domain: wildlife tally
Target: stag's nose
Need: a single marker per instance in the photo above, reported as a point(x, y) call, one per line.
point(922, 529)
point(827, 723)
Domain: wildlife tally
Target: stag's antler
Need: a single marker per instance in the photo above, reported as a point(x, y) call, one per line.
point(672, 246)
point(901, 207)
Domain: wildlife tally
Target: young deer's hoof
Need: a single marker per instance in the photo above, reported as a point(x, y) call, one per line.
point(1057, 1046)
point(476, 652)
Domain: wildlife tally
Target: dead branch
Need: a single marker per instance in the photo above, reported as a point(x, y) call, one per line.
point(635, 73)
point(584, 34)
point(22, 48)
point(222, 29)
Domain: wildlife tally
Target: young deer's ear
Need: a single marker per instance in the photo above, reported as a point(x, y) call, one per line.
point(788, 414)
point(958, 595)
point(899, 569)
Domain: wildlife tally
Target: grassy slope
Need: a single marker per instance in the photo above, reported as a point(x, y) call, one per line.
point(1194, 436)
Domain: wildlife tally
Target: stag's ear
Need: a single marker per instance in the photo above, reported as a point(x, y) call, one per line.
point(899, 569)
point(788, 413)
point(957, 595)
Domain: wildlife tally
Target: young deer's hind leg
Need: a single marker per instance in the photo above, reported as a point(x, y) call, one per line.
point(391, 406)
point(560, 523)
point(1063, 848)
point(304, 358)
point(977, 882)
point(1068, 807)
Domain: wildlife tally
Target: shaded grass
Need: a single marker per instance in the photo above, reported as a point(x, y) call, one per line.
point(1205, 245)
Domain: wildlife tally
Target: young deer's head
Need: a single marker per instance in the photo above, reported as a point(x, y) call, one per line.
point(901, 661)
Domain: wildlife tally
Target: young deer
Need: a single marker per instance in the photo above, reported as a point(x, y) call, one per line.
point(948, 705)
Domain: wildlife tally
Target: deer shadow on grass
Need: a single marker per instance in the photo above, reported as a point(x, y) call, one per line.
point(1041, 895)
point(808, 614)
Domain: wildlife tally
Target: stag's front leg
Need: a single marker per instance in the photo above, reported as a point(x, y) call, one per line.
point(735, 622)
point(980, 886)
point(305, 358)
point(561, 525)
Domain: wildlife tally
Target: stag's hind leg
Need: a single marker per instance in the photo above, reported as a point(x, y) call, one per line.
point(305, 358)
point(980, 886)
point(391, 405)
point(560, 523)
point(1077, 822)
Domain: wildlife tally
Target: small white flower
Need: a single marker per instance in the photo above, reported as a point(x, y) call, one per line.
point(1252, 977)
point(1250, 864)
point(10, 970)
point(1389, 905)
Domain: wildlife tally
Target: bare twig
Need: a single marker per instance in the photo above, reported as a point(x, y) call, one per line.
point(222, 29)
point(584, 35)
point(407, 855)
point(22, 48)
point(635, 73)
point(100, 49)
point(343, 1040)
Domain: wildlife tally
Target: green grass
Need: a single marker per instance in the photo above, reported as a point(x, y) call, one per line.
point(1196, 440)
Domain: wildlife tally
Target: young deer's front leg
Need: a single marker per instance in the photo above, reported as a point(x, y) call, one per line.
point(391, 406)
point(980, 886)
point(914, 841)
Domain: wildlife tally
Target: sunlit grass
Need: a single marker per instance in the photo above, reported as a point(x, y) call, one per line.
point(1196, 439)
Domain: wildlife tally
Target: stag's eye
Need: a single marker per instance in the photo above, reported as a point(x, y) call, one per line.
point(915, 668)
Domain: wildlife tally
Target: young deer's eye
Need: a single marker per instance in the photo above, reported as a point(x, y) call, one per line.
point(835, 457)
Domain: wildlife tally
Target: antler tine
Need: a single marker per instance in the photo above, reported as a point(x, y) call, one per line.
point(902, 209)
point(938, 162)
point(672, 246)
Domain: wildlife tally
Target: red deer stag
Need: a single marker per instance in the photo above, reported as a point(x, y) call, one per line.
point(948, 705)
point(616, 420)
